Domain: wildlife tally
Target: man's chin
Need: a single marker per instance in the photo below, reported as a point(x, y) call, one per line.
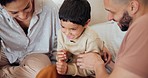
point(22, 20)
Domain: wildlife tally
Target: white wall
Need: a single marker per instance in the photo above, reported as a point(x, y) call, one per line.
point(98, 13)
point(58, 2)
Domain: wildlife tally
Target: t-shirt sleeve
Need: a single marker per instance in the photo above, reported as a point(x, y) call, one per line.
point(95, 45)
point(59, 41)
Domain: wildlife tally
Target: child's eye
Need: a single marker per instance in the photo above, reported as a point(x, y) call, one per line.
point(26, 8)
point(73, 29)
point(62, 26)
point(14, 12)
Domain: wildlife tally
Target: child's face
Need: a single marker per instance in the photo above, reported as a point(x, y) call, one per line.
point(71, 30)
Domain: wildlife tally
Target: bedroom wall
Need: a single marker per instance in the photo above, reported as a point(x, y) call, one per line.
point(98, 13)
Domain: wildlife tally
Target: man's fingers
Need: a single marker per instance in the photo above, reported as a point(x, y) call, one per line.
point(108, 60)
point(105, 57)
point(80, 55)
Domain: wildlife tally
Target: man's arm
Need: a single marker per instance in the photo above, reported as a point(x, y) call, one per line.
point(97, 64)
point(119, 72)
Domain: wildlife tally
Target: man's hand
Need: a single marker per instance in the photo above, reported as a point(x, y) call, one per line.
point(89, 60)
point(106, 55)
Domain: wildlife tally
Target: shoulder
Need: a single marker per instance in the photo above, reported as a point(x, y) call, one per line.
point(2, 17)
point(90, 34)
point(138, 30)
point(1, 14)
point(60, 34)
point(140, 22)
point(47, 6)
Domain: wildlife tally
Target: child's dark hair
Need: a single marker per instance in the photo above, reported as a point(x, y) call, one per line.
point(75, 11)
point(4, 2)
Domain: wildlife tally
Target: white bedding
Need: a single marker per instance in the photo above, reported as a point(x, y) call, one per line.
point(111, 34)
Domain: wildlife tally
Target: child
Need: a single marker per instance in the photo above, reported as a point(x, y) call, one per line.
point(75, 37)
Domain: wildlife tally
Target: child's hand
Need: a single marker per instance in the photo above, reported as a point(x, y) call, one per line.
point(61, 67)
point(61, 55)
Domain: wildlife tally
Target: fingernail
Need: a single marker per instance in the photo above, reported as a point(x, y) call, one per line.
point(106, 59)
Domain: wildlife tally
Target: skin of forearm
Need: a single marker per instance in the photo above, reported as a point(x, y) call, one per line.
point(101, 71)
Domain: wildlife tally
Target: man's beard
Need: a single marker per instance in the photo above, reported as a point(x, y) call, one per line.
point(125, 21)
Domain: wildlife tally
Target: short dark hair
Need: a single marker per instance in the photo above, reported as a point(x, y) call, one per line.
point(75, 11)
point(4, 2)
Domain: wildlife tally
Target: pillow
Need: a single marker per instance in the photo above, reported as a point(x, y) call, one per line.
point(111, 34)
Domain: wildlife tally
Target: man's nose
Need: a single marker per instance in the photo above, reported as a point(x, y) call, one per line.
point(110, 16)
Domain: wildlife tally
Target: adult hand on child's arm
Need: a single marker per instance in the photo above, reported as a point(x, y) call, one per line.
point(89, 60)
point(92, 61)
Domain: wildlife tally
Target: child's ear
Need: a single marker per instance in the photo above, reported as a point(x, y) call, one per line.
point(87, 23)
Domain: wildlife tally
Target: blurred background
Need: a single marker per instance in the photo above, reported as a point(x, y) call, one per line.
point(98, 13)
